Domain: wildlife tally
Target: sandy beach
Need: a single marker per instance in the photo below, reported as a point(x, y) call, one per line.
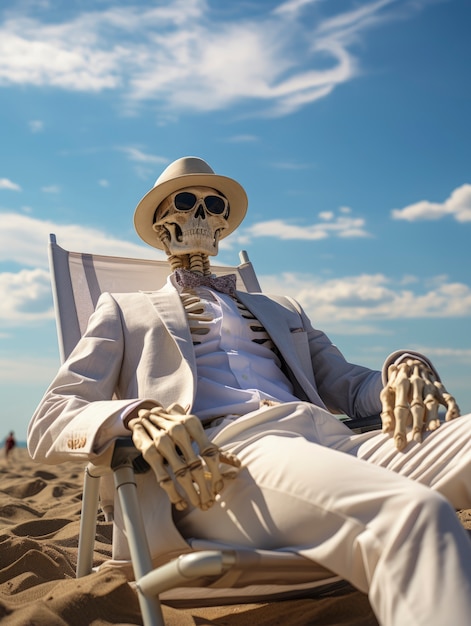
point(39, 526)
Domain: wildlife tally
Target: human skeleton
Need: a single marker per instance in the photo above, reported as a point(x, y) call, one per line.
point(189, 224)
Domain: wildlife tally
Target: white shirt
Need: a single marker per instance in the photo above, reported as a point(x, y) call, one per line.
point(234, 373)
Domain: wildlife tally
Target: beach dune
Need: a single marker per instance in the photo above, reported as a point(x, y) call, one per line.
point(39, 526)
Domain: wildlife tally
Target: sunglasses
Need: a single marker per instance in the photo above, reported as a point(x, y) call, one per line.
point(187, 200)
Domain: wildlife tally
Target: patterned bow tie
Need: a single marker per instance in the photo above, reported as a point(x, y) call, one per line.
point(223, 284)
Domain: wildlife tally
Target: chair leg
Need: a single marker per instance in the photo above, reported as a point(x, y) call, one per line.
point(88, 520)
point(137, 540)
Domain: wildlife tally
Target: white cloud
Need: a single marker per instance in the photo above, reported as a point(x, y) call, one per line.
point(457, 205)
point(6, 183)
point(181, 56)
point(26, 294)
point(330, 225)
point(371, 297)
point(67, 55)
point(23, 240)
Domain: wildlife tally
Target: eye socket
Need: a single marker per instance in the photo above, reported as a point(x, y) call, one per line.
point(185, 201)
point(215, 204)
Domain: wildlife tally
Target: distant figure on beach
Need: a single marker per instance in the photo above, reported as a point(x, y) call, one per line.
point(10, 444)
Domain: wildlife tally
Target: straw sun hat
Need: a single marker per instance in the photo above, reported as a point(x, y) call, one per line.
point(188, 172)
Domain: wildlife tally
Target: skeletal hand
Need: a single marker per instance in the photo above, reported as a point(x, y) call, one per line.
point(411, 398)
point(164, 437)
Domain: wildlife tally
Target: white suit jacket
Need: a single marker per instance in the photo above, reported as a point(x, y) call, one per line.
point(137, 350)
point(138, 347)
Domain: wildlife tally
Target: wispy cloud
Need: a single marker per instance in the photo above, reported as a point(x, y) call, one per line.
point(138, 156)
point(347, 25)
point(293, 7)
point(183, 57)
point(6, 183)
point(330, 224)
point(38, 370)
point(242, 139)
point(36, 126)
point(51, 189)
point(143, 162)
point(457, 205)
point(292, 165)
point(458, 354)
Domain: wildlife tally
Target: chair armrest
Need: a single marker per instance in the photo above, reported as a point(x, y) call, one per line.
point(125, 453)
point(363, 424)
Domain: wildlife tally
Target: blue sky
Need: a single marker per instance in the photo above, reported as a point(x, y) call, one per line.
point(347, 122)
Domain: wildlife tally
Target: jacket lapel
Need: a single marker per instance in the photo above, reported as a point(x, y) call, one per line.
point(296, 356)
point(262, 308)
point(169, 308)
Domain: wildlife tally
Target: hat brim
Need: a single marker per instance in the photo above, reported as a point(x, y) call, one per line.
point(231, 189)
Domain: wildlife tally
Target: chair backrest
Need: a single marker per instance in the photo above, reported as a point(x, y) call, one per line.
point(79, 278)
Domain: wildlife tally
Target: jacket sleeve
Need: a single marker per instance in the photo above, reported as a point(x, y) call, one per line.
point(344, 387)
point(78, 416)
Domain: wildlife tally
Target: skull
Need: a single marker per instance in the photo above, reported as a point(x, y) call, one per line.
point(191, 221)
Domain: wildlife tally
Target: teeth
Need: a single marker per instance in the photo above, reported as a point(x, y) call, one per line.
point(190, 235)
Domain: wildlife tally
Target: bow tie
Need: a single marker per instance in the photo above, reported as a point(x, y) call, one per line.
point(223, 284)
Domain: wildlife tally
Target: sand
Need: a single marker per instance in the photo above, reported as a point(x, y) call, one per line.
point(39, 526)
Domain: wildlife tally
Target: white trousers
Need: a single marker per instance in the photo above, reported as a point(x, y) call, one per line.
point(382, 519)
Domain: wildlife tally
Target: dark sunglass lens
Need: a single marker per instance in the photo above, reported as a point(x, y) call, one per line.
point(185, 201)
point(215, 204)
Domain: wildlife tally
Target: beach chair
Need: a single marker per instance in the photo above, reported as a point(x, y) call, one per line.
point(211, 573)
